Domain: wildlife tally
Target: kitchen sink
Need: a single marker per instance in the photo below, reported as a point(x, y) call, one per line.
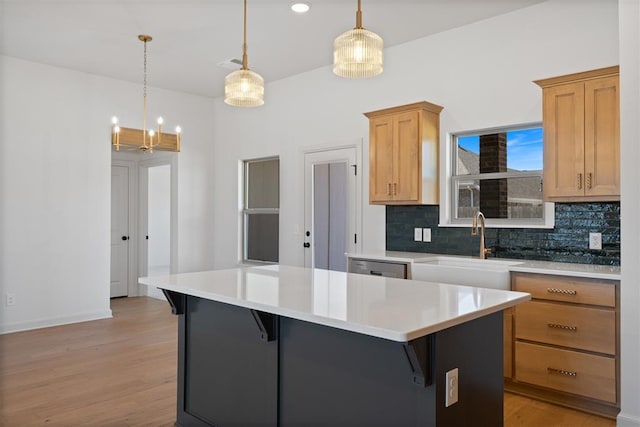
point(482, 273)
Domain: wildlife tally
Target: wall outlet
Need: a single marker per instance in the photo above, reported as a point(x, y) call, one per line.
point(451, 388)
point(426, 234)
point(417, 234)
point(10, 299)
point(595, 241)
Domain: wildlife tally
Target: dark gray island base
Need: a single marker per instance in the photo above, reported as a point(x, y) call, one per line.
point(243, 367)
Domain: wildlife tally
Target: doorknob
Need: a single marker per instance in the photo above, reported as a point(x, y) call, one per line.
point(125, 237)
point(307, 245)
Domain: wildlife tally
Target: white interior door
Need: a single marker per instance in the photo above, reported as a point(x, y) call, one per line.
point(158, 235)
point(119, 231)
point(331, 207)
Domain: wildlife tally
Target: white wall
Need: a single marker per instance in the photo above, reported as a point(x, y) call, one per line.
point(630, 135)
point(55, 159)
point(481, 74)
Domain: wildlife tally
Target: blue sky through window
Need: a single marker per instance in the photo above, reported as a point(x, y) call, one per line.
point(524, 148)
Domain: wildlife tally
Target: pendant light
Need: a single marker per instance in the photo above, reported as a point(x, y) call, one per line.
point(357, 53)
point(243, 87)
point(145, 139)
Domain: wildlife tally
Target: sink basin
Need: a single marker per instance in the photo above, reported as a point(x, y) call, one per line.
point(482, 273)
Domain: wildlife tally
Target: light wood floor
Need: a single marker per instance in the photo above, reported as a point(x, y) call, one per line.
point(122, 372)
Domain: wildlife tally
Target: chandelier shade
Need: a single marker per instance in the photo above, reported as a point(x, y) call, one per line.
point(243, 87)
point(358, 53)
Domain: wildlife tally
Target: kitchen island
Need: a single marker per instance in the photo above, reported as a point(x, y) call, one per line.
point(290, 346)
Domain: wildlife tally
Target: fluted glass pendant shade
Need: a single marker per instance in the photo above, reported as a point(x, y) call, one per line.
point(244, 88)
point(357, 53)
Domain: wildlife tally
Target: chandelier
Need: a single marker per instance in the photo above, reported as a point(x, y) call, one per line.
point(243, 87)
point(144, 139)
point(357, 53)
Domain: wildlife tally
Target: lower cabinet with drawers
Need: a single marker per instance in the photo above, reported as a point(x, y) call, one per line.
point(564, 343)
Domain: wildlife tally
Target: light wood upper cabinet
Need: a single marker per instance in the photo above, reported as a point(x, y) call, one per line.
point(581, 136)
point(403, 154)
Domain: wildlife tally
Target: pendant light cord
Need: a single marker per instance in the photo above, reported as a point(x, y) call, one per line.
point(245, 61)
point(144, 98)
point(358, 17)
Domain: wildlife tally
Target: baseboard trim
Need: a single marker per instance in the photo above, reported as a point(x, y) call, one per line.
point(53, 321)
point(627, 420)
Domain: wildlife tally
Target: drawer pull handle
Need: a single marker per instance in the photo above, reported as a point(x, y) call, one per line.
point(565, 327)
point(571, 374)
point(561, 291)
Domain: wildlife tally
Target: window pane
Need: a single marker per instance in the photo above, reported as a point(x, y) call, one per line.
point(263, 184)
point(512, 198)
point(508, 151)
point(262, 237)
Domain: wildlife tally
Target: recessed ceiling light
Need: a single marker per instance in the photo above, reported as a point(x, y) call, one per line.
point(301, 7)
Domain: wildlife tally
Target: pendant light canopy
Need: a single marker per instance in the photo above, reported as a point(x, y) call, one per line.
point(243, 87)
point(357, 53)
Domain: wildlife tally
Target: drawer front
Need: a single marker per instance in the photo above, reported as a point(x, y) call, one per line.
point(567, 371)
point(566, 289)
point(586, 328)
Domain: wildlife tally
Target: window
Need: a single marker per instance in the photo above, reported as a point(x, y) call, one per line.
point(499, 172)
point(261, 203)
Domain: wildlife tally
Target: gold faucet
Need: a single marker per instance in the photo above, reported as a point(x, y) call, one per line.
point(474, 232)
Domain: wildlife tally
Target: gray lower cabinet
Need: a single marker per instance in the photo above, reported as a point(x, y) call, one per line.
point(242, 367)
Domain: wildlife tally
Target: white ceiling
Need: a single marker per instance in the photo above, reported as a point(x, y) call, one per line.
point(190, 37)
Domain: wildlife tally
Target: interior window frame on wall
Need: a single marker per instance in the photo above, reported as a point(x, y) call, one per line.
point(248, 211)
point(449, 203)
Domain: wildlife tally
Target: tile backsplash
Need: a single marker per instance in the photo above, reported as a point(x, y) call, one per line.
point(567, 242)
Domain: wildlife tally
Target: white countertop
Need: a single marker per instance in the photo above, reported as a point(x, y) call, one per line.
point(525, 266)
point(393, 309)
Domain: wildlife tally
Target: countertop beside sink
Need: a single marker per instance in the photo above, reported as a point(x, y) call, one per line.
point(524, 266)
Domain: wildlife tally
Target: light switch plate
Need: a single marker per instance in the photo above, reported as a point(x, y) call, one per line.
point(417, 234)
point(595, 241)
point(426, 234)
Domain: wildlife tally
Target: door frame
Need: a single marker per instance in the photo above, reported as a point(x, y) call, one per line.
point(356, 144)
point(132, 271)
point(143, 178)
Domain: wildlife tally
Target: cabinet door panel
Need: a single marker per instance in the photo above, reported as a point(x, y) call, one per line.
point(602, 137)
point(563, 116)
point(567, 325)
point(565, 370)
point(380, 159)
point(407, 151)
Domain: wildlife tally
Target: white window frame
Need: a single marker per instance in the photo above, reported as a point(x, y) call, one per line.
point(448, 188)
point(249, 211)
